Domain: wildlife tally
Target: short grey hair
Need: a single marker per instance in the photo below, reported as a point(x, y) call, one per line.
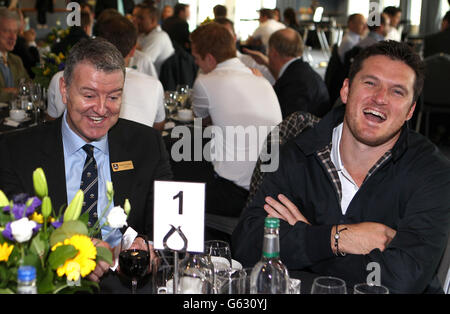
point(6, 14)
point(99, 52)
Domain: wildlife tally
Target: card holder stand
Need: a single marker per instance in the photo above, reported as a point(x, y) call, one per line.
point(171, 232)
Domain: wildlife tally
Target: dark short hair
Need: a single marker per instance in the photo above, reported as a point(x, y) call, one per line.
point(285, 45)
point(446, 17)
point(398, 51)
point(220, 10)
point(391, 10)
point(119, 31)
point(99, 52)
point(215, 39)
point(266, 12)
point(224, 21)
point(151, 10)
point(178, 8)
point(290, 16)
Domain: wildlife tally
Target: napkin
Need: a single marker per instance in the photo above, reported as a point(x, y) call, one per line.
point(11, 122)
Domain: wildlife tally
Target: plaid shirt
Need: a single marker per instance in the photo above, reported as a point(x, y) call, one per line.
point(289, 128)
point(325, 157)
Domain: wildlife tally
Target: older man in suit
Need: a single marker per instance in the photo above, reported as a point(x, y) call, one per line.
point(298, 86)
point(11, 66)
point(128, 154)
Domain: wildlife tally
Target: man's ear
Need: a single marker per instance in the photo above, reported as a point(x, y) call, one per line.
point(212, 63)
point(63, 90)
point(411, 112)
point(344, 90)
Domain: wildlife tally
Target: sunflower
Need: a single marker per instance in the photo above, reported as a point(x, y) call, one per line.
point(83, 263)
point(5, 251)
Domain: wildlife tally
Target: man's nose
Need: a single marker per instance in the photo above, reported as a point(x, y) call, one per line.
point(100, 106)
point(381, 95)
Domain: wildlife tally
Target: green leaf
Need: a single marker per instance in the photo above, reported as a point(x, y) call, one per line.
point(39, 245)
point(104, 254)
point(45, 284)
point(67, 230)
point(59, 256)
point(6, 291)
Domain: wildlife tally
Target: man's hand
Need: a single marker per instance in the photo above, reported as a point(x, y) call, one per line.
point(258, 56)
point(285, 210)
point(256, 72)
point(140, 243)
point(102, 267)
point(363, 237)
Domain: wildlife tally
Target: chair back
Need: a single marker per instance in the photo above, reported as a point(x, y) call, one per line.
point(437, 80)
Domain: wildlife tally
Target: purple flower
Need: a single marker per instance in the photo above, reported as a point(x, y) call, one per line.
point(61, 66)
point(7, 233)
point(20, 209)
point(58, 223)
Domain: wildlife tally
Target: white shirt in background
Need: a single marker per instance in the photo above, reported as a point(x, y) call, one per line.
point(233, 96)
point(349, 41)
point(143, 63)
point(157, 45)
point(251, 63)
point(394, 34)
point(266, 29)
point(142, 98)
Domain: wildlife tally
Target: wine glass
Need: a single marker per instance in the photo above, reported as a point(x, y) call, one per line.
point(219, 253)
point(170, 102)
point(328, 285)
point(182, 94)
point(36, 96)
point(134, 259)
point(366, 288)
point(163, 273)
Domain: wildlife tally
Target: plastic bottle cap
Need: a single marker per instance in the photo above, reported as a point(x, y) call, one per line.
point(272, 222)
point(26, 273)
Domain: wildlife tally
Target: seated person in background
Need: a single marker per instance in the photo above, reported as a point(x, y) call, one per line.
point(11, 66)
point(177, 26)
point(152, 40)
point(166, 12)
point(246, 59)
point(298, 86)
point(76, 33)
point(267, 26)
point(356, 24)
point(140, 60)
point(227, 94)
point(143, 96)
point(395, 15)
point(376, 32)
point(360, 187)
point(438, 42)
point(92, 88)
point(25, 46)
point(220, 11)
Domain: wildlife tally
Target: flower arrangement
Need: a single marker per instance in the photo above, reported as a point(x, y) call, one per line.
point(56, 34)
point(60, 246)
point(51, 63)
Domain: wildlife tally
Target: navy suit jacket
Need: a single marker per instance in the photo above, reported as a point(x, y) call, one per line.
point(23, 152)
point(300, 88)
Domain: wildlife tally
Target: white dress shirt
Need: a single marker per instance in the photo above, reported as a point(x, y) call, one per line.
point(233, 96)
point(143, 63)
point(251, 63)
point(349, 41)
point(349, 187)
point(157, 45)
point(266, 29)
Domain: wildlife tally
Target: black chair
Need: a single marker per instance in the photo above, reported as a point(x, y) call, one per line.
point(434, 98)
point(334, 75)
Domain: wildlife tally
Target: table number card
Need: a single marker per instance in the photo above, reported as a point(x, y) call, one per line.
point(179, 204)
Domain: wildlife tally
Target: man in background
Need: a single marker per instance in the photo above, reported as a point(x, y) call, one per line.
point(267, 26)
point(11, 66)
point(356, 24)
point(438, 42)
point(177, 26)
point(395, 15)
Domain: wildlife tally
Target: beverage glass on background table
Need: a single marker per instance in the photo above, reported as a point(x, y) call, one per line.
point(170, 102)
point(183, 91)
point(134, 261)
point(232, 282)
point(365, 288)
point(328, 285)
point(220, 254)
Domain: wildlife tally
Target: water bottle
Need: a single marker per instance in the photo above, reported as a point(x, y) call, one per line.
point(26, 280)
point(269, 275)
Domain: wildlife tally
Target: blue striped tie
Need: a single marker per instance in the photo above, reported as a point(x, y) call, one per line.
point(89, 184)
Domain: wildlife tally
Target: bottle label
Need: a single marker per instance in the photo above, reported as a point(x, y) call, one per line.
point(27, 290)
point(271, 245)
point(271, 254)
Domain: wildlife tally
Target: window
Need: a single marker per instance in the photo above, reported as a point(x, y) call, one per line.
point(358, 6)
point(389, 3)
point(416, 8)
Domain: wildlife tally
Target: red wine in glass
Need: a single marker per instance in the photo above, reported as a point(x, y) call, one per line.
point(134, 264)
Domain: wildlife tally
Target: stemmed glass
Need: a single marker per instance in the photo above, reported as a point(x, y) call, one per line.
point(170, 102)
point(219, 253)
point(134, 260)
point(365, 288)
point(36, 96)
point(328, 285)
point(182, 95)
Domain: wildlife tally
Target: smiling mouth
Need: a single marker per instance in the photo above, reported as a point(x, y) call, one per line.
point(375, 116)
point(96, 120)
